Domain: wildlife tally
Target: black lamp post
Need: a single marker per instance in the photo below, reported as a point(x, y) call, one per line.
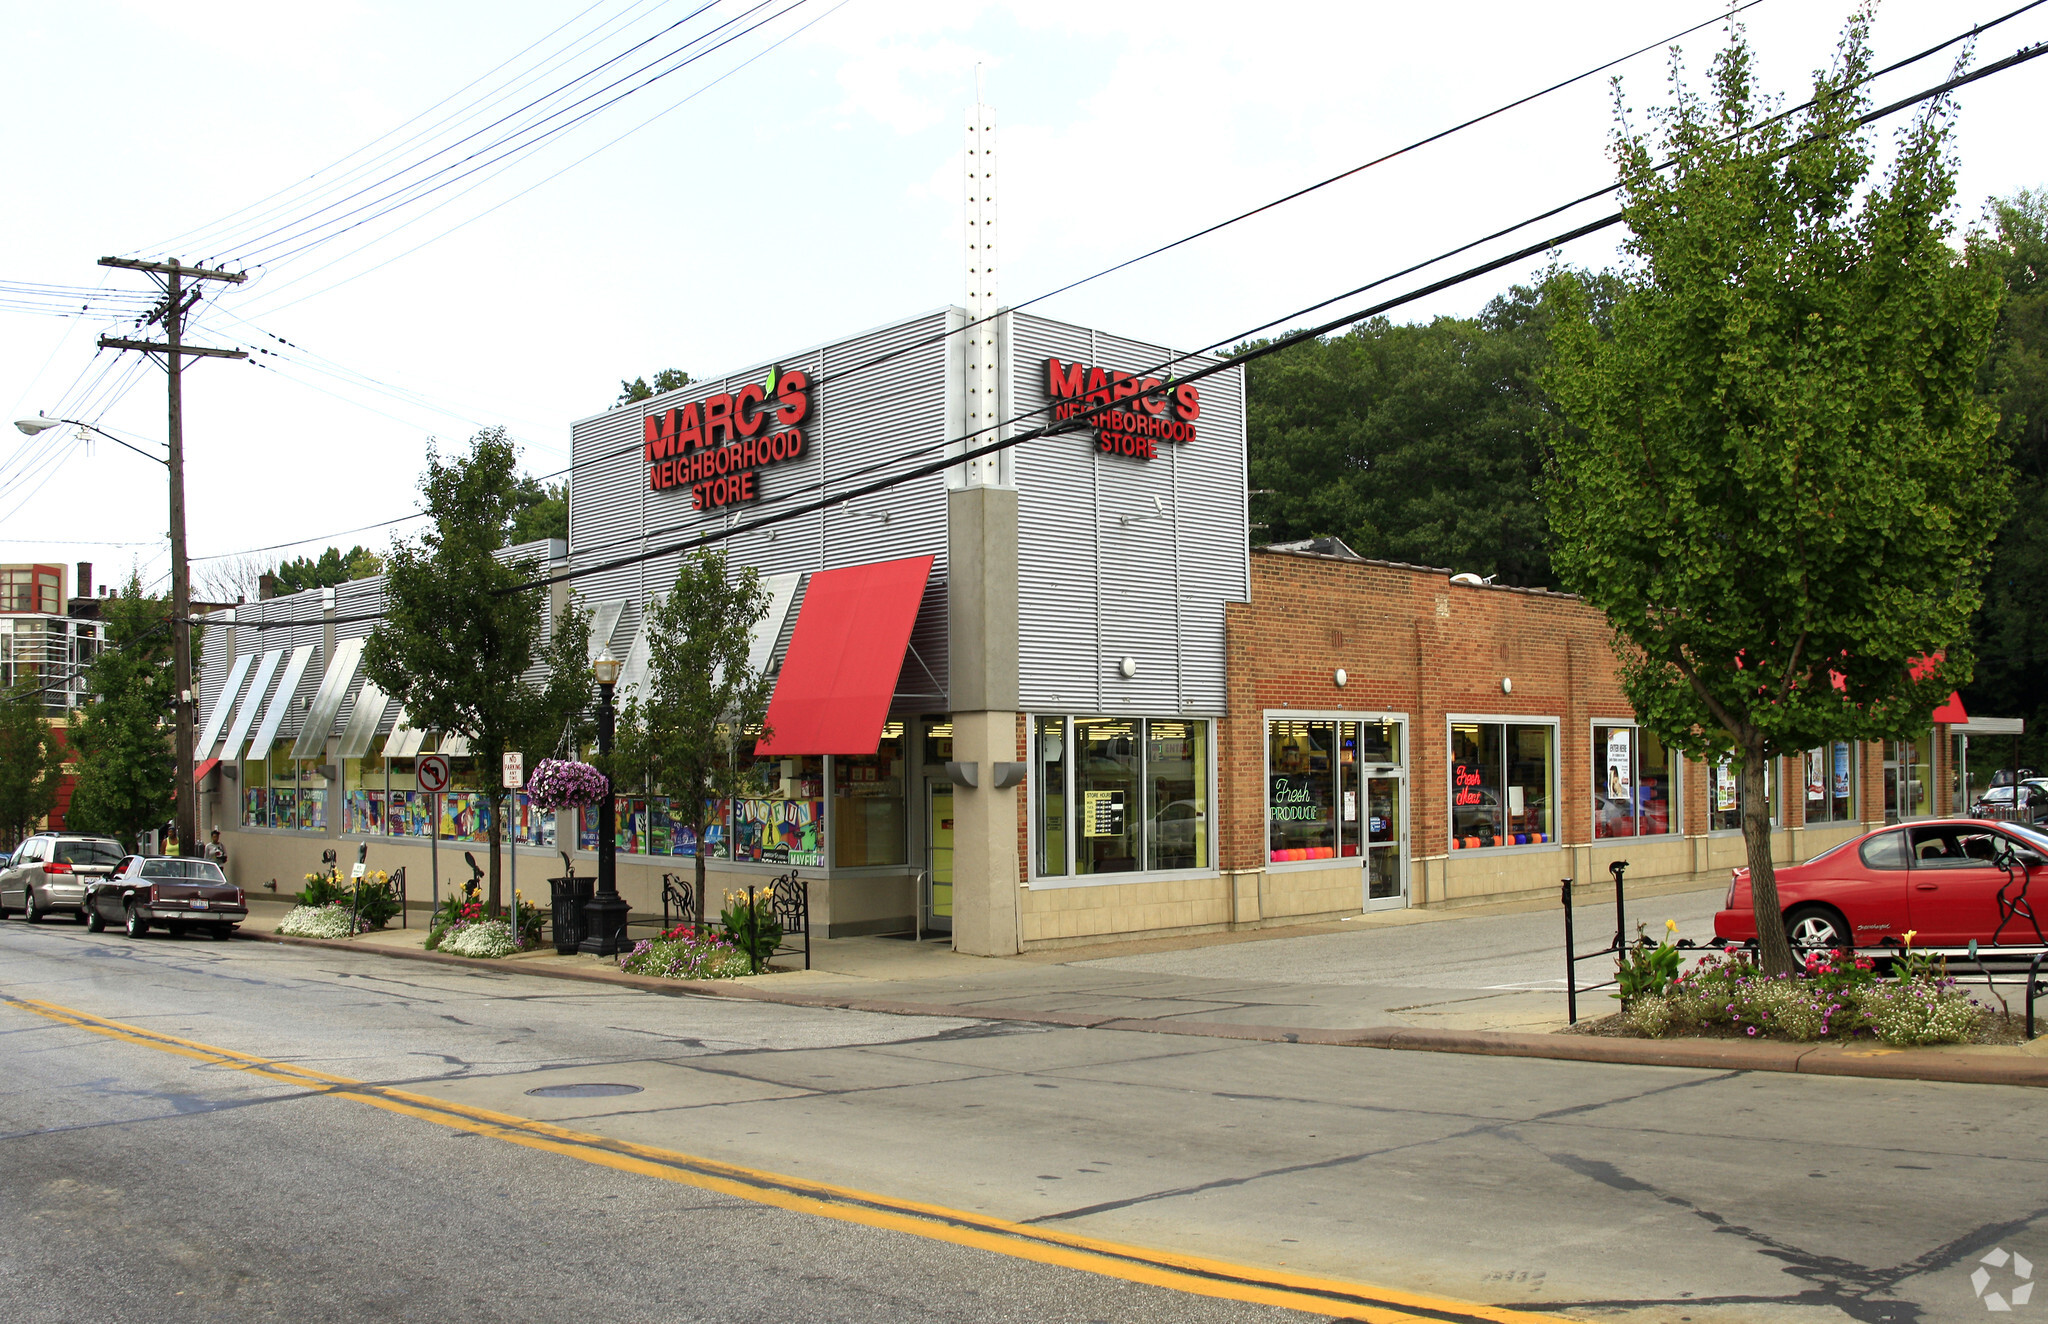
point(605, 916)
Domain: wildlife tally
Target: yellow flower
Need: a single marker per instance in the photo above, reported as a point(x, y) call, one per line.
point(1670, 926)
point(1909, 936)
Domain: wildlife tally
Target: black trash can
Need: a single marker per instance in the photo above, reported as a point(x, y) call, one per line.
point(570, 896)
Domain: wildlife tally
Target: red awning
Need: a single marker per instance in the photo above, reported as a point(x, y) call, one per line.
point(844, 657)
point(199, 773)
point(1952, 711)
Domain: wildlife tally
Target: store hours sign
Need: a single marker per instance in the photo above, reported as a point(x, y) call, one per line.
point(718, 446)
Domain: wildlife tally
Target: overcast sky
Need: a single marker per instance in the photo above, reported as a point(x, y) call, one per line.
point(813, 192)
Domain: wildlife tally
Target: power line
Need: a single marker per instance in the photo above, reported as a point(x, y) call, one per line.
point(192, 238)
point(1463, 248)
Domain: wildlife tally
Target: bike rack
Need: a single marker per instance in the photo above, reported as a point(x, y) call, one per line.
point(1572, 957)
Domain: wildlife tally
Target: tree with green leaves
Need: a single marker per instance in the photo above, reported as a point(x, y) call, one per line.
point(1411, 442)
point(691, 729)
point(31, 761)
point(122, 737)
point(539, 511)
point(460, 635)
point(1778, 482)
point(2011, 632)
point(331, 567)
point(633, 392)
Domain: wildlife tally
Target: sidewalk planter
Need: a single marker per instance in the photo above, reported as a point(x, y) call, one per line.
point(570, 896)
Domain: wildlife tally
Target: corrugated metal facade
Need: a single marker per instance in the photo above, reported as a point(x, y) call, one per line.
point(1120, 557)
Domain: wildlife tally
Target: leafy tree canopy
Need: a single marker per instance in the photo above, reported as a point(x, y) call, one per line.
point(331, 567)
point(457, 644)
point(31, 762)
point(697, 719)
point(1778, 481)
point(539, 511)
point(668, 379)
point(1418, 442)
point(122, 738)
point(2010, 635)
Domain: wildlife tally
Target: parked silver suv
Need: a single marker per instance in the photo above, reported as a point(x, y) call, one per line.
point(49, 871)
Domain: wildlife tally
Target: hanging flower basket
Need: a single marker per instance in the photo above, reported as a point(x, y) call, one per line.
point(564, 784)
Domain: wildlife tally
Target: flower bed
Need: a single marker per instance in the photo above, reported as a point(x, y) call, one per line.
point(329, 921)
point(461, 928)
point(684, 952)
point(1838, 996)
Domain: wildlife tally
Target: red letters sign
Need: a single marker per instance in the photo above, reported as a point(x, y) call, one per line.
point(716, 446)
point(1134, 428)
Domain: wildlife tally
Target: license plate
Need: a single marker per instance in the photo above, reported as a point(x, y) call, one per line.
point(199, 904)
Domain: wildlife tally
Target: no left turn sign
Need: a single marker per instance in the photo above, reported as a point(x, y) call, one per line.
point(432, 772)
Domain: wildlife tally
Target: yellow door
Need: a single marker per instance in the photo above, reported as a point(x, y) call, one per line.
point(938, 835)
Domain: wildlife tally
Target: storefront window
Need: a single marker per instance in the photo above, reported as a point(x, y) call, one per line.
point(312, 796)
point(1830, 782)
point(870, 814)
point(1906, 778)
point(405, 805)
point(1049, 760)
point(780, 819)
point(284, 790)
point(255, 793)
point(1633, 788)
point(1724, 809)
point(1500, 784)
point(1106, 772)
point(1301, 790)
point(1176, 794)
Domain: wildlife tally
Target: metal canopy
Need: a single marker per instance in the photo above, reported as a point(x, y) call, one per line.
point(341, 673)
point(405, 740)
point(281, 700)
point(363, 721)
point(251, 705)
point(225, 704)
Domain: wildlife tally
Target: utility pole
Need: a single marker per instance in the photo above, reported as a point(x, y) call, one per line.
point(171, 276)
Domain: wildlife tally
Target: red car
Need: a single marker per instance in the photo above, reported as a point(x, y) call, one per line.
point(1937, 880)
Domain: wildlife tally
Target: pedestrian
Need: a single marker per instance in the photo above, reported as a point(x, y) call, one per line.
point(217, 852)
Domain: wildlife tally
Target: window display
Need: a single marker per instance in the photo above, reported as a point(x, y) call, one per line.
point(1176, 794)
point(1830, 780)
point(1501, 775)
point(870, 819)
point(1106, 781)
point(1301, 790)
point(1634, 791)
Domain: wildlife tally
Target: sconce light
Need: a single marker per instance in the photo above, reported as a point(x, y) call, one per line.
point(1342, 678)
point(1007, 775)
point(962, 774)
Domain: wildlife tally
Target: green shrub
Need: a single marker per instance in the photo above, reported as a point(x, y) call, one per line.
point(753, 928)
point(1837, 997)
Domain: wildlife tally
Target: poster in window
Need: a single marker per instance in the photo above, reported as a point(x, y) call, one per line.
point(1724, 786)
point(1102, 813)
point(1841, 769)
point(1618, 764)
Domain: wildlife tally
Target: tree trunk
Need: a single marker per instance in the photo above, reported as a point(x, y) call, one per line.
point(497, 836)
point(1775, 950)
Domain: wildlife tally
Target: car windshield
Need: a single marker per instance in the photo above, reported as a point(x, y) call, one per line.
point(89, 852)
point(2032, 836)
point(198, 871)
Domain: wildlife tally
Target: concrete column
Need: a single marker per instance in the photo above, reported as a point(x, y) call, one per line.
point(981, 612)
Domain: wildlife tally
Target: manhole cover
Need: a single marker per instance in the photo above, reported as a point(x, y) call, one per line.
point(591, 1090)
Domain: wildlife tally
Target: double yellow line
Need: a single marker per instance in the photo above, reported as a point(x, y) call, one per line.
point(1183, 1273)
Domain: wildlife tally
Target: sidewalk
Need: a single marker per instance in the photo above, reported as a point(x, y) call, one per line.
point(1090, 988)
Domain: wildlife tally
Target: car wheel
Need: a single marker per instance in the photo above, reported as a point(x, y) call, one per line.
point(94, 921)
point(223, 932)
point(135, 925)
point(28, 907)
point(1817, 928)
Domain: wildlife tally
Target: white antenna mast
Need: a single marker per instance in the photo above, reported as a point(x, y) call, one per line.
point(979, 358)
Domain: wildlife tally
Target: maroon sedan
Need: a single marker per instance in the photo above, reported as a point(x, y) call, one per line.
point(1938, 880)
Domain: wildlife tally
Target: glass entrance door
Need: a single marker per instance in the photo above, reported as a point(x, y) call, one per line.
point(937, 901)
point(1374, 810)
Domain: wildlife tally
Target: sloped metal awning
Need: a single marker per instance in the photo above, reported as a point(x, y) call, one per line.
point(217, 720)
point(252, 705)
point(363, 720)
point(281, 701)
point(341, 673)
point(845, 654)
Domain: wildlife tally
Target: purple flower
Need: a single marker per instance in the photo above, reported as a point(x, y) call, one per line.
point(563, 783)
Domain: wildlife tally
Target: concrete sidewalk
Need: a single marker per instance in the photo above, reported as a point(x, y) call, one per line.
point(1320, 1000)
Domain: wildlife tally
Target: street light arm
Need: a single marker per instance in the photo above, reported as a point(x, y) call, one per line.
point(31, 426)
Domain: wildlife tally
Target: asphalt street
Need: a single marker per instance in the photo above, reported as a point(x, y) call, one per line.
point(144, 1181)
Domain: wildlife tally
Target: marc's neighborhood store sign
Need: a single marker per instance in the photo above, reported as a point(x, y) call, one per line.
point(716, 447)
point(1131, 414)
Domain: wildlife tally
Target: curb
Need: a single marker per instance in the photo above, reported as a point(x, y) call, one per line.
point(1947, 1065)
